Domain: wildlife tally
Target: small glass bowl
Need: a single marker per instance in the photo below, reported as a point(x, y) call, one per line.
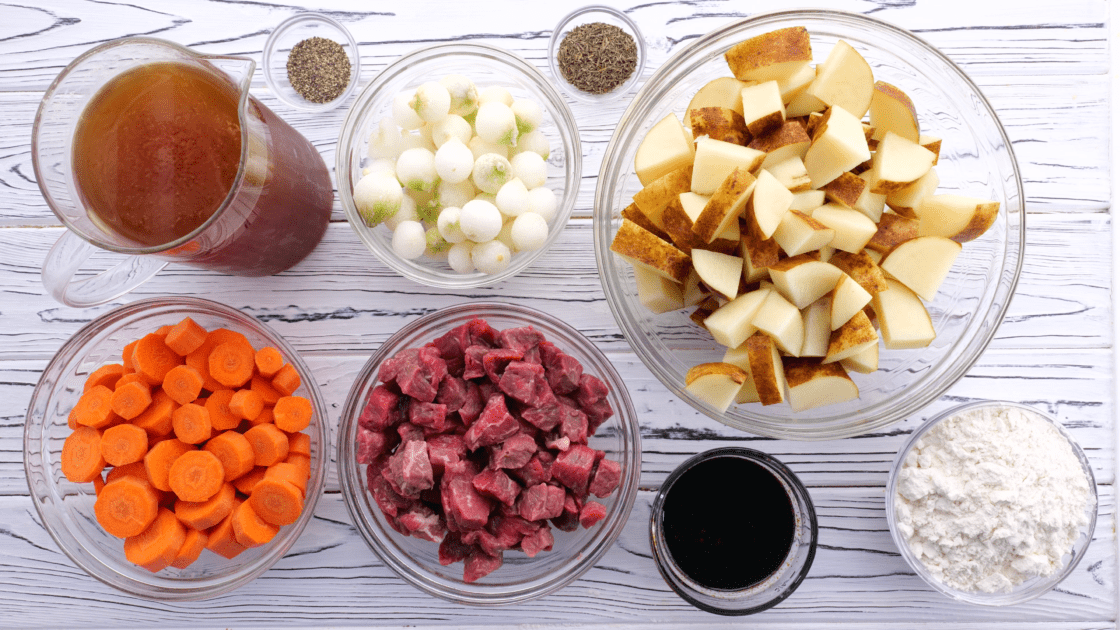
point(771, 591)
point(520, 578)
point(1028, 590)
point(486, 66)
point(588, 15)
point(66, 509)
point(291, 32)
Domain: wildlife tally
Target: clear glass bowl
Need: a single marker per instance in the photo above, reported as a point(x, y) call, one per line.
point(66, 508)
point(486, 66)
point(588, 15)
point(976, 160)
point(771, 591)
point(293, 31)
point(1027, 590)
point(520, 578)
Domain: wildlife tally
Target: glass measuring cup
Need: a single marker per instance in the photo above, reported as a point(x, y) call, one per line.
point(274, 214)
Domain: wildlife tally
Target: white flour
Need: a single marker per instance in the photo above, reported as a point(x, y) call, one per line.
point(991, 498)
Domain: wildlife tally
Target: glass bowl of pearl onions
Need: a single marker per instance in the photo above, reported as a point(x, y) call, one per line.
point(459, 165)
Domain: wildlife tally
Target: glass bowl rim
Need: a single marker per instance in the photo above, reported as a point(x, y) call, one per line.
point(274, 82)
point(627, 85)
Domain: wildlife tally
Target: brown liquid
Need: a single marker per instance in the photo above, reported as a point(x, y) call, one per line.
point(156, 151)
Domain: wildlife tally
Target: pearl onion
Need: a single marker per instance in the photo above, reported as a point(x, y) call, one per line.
point(529, 232)
point(480, 221)
point(529, 168)
point(449, 227)
point(542, 201)
point(454, 161)
point(459, 257)
point(491, 257)
point(408, 240)
point(512, 198)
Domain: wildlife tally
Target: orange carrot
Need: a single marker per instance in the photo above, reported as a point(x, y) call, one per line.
point(249, 529)
point(290, 473)
point(94, 408)
point(191, 423)
point(131, 377)
point(126, 356)
point(200, 358)
point(156, 419)
point(156, 547)
point(246, 404)
point(159, 460)
point(221, 539)
point(221, 418)
point(269, 361)
point(154, 359)
point(264, 417)
point(163, 330)
point(292, 414)
point(302, 462)
point(131, 400)
point(124, 444)
point(192, 548)
point(106, 375)
point(81, 458)
point(268, 393)
point(234, 451)
point(299, 443)
point(231, 363)
point(183, 384)
point(208, 513)
point(287, 380)
point(126, 507)
point(196, 476)
point(98, 485)
point(135, 469)
point(270, 444)
point(245, 483)
point(72, 418)
point(185, 337)
point(276, 501)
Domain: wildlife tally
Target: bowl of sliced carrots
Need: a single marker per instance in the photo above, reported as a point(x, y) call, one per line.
point(175, 448)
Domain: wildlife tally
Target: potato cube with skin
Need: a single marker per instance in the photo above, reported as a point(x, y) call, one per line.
point(864, 362)
point(770, 56)
point(719, 92)
point(892, 231)
point(816, 320)
point(804, 104)
point(715, 383)
point(922, 263)
point(635, 214)
point(855, 336)
point(799, 233)
point(807, 201)
point(716, 159)
point(693, 291)
point(656, 292)
point(739, 357)
point(732, 323)
point(812, 384)
point(847, 299)
point(679, 227)
point(845, 80)
point(853, 228)
point(763, 109)
point(905, 200)
point(903, 319)
point(932, 143)
point(769, 203)
point(869, 203)
point(862, 268)
point(845, 189)
point(803, 280)
point(897, 162)
point(653, 198)
point(954, 216)
point(642, 248)
point(758, 252)
point(782, 321)
point(665, 148)
point(766, 368)
point(838, 146)
point(719, 271)
point(790, 140)
point(725, 206)
point(791, 173)
point(796, 82)
point(892, 110)
point(693, 204)
point(719, 123)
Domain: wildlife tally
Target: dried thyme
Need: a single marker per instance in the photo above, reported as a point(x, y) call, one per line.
point(597, 57)
point(319, 69)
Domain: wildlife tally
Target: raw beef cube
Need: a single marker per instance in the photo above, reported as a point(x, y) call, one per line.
point(373, 444)
point(423, 523)
point(540, 502)
point(606, 478)
point(515, 452)
point(591, 389)
point(409, 470)
point(472, 405)
point(597, 413)
point(410, 432)
point(538, 541)
point(486, 541)
point(428, 415)
point(452, 392)
point(452, 549)
point(592, 513)
point(387, 371)
point(461, 502)
point(482, 333)
point(480, 564)
point(381, 410)
point(383, 494)
point(557, 442)
point(497, 484)
point(545, 417)
point(520, 339)
point(514, 524)
point(486, 389)
point(494, 425)
point(519, 381)
point(563, 370)
point(445, 449)
point(568, 401)
point(573, 467)
point(568, 521)
point(496, 360)
point(417, 372)
point(506, 537)
point(573, 425)
point(538, 470)
point(532, 355)
point(472, 362)
point(454, 342)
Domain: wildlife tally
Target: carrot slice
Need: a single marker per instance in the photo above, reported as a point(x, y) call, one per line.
point(200, 358)
point(158, 461)
point(222, 540)
point(98, 485)
point(156, 547)
point(245, 483)
point(299, 443)
point(268, 393)
point(287, 380)
point(185, 337)
point(131, 400)
point(231, 363)
point(208, 513)
point(126, 507)
point(192, 548)
point(106, 375)
point(290, 473)
point(94, 408)
point(131, 377)
point(196, 476)
point(124, 444)
point(270, 444)
point(126, 356)
point(302, 462)
point(163, 330)
point(248, 527)
point(276, 501)
point(221, 418)
point(191, 423)
point(81, 458)
point(183, 384)
point(135, 469)
point(246, 404)
point(157, 418)
point(154, 359)
point(234, 451)
point(269, 361)
point(292, 414)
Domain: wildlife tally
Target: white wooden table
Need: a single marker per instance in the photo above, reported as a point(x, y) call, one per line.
point(1044, 65)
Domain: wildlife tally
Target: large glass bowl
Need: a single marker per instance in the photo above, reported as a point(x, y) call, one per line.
point(486, 66)
point(66, 508)
point(520, 578)
point(975, 160)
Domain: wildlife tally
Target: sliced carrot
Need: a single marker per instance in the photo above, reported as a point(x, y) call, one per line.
point(292, 414)
point(249, 529)
point(303, 462)
point(234, 451)
point(131, 377)
point(269, 361)
point(264, 417)
point(156, 547)
point(135, 469)
point(196, 476)
point(106, 375)
point(221, 418)
point(185, 337)
point(268, 393)
point(98, 485)
point(245, 483)
point(156, 419)
point(200, 358)
point(154, 359)
point(131, 400)
point(81, 458)
point(276, 501)
point(126, 507)
point(208, 513)
point(124, 444)
point(287, 380)
point(270, 444)
point(299, 443)
point(94, 408)
point(221, 539)
point(72, 418)
point(246, 404)
point(183, 384)
point(191, 423)
point(158, 461)
point(231, 363)
point(163, 330)
point(193, 545)
point(126, 356)
point(290, 473)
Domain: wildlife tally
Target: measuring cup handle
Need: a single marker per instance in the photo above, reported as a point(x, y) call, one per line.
point(68, 255)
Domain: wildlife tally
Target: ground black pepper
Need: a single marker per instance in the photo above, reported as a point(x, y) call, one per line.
point(597, 57)
point(318, 69)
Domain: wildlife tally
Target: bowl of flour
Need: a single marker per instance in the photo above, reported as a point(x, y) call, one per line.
point(992, 503)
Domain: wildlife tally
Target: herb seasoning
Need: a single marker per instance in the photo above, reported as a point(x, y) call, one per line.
point(597, 57)
point(319, 69)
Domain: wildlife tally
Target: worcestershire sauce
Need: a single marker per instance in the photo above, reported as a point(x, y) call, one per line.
point(728, 523)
